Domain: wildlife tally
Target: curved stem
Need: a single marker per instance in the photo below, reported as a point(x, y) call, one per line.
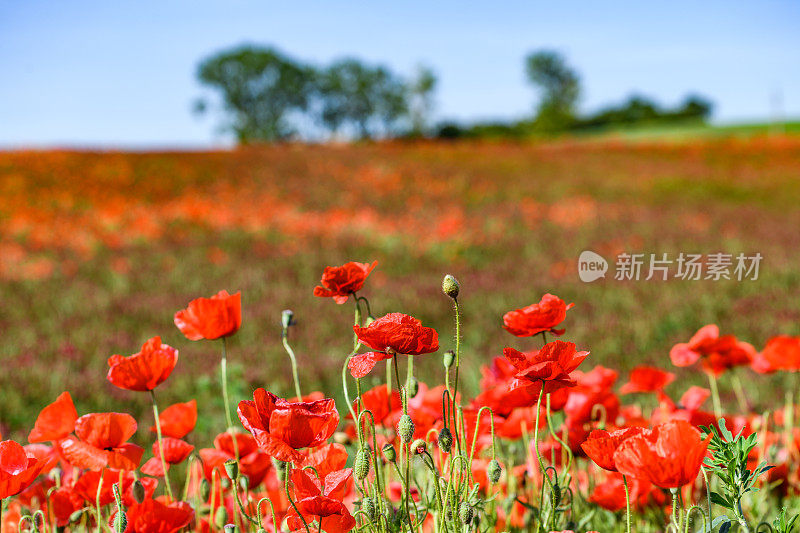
point(293, 359)
point(161, 446)
point(288, 474)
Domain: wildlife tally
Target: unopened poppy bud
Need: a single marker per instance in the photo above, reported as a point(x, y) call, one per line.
point(138, 491)
point(205, 490)
point(231, 528)
point(413, 387)
point(419, 446)
point(405, 428)
point(494, 470)
point(370, 319)
point(261, 530)
point(225, 483)
point(221, 517)
point(368, 506)
point(244, 482)
point(465, 513)
point(287, 318)
point(361, 464)
point(448, 358)
point(232, 468)
point(450, 286)
point(389, 453)
point(280, 468)
point(38, 520)
point(75, 516)
point(120, 522)
point(445, 440)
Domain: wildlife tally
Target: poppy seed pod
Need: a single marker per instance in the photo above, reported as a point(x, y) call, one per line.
point(138, 491)
point(405, 428)
point(368, 506)
point(287, 318)
point(389, 453)
point(361, 464)
point(221, 517)
point(465, 512)
point(450, 286)
point(494, 470)
point(448, 358)
point(445, 440)
point(205, 490)
point(232, 468)
point(120, 522)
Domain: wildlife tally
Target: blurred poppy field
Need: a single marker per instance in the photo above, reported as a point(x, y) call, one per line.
point(98, 249)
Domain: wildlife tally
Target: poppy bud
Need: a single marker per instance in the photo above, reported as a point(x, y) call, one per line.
point(205, 490)
point(494, 470)
point(261, 530)
point(368, 506)
point(231, 528)
point(38, 520)
point(244, 482)
point(413, 387)
point(419, 446)
point(221, 517)
point(448, 358)
point(465, 513)
point(225, 483)
point(450, 286)
point(389, 453)
point(280, 468)
point(287, 318)
point(232, 468)
point(138, 491)
point(370, 319)
point(361, 464)
point(445, 440)
point(120, 522)
point(75, 516)
point(405, 428)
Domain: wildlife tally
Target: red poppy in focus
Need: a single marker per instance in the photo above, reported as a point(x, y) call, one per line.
point(178, 419)
point(601, 445)
point(153, 516)
point(647, 379)
point(281, 427)
point(102, 442)
point(323, 504)
point(390, 334)
point(550, 367)
point(211, 318)
point(145, 370)
point(536, 318)
point(780, 353)
point(668, 456)
point(340, 282)
point(716, 353)
point(380, 402)
point(56, 421)
point(17, 468)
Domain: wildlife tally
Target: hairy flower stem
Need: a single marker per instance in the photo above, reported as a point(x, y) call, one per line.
point(285, 340)
point(627, 504)
point(161, 446)
point(223, 367)
point(97, 501)
point(712, 383)
point(356, 344)
point(457, 310)
point(288, 475)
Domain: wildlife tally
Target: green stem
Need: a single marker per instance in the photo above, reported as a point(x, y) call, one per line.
point(223, 367)
point(285, 339)
point(627, 505)
point(97, 502)
point(161, 446)
point(288, 474)
point(712, 383)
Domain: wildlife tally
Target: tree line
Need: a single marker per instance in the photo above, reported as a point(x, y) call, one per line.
point(267, 95)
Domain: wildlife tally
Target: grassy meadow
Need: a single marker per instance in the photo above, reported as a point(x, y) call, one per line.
point(99, 249)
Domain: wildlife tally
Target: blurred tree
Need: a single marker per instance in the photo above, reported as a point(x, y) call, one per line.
point(260, 89)
point(421, 100)
point(354, 94)
point(695, 106)
point(560, 87)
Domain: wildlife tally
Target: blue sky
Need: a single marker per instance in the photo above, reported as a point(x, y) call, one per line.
point(120, 73)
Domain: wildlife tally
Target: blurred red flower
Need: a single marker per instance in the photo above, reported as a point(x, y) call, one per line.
point(281, 428)
point(145, 370)
point(17, 468)
point(780, 353)
point(175, 450)
point(340, 282)
point(102, 442)
point(600, 445)
point(610, 494)
point(647, 379)
point(56, 421)
point(550, 367)
point(153, 516)
point(211, 318)
point(536, 318)
point(716, 353)
point(669, 455)
point(390, 334)
point(178, 419)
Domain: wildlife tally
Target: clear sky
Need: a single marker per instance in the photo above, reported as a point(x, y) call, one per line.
point(122, 73)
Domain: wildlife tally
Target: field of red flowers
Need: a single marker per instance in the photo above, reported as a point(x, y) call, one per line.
point(600, 427)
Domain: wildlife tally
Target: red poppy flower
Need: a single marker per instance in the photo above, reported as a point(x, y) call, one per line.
point(780, 353)
point(716, 353)
point(669, 456)
point(380, 403)
point(549, 367)
point(600, 445)
point(55, 421)
point(17, 468)
point(324, 505)
point(610, 494)
point(281, 427)
point(102, 442)
point(647, 379)
point(153, 516)
point(340, 282)
point(392, 333)
point(87, 485)
point(175, 450)
point(145, 370)
point(536, 318)
point(178, 419)
point(326, 458)
point(211, 318)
